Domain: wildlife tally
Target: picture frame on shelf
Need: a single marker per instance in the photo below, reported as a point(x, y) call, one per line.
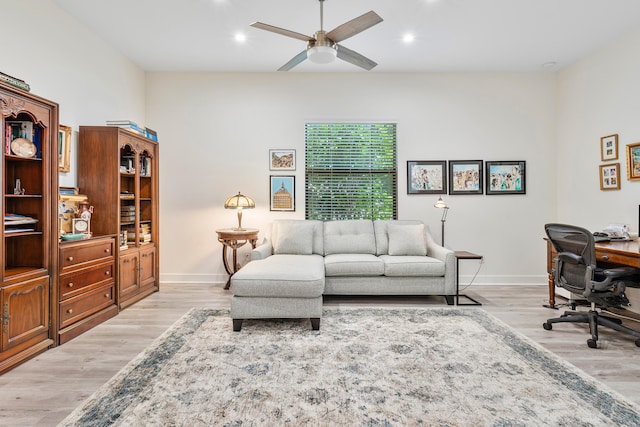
point(427, 177)
point(610, 176)
point(64, 148)
point(506, 177)
point(282, 160)
point(609, 148)
point(282, 193)
point(633, 161)
point(465, 177)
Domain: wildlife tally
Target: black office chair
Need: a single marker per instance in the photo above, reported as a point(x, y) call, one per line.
point(575, 270)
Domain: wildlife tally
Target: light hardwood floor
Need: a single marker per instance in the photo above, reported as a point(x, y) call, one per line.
point(42, 391)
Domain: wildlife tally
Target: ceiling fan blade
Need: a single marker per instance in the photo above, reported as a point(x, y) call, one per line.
point(282, 31)
point(355, 26)
point(355, 58)
point(294, 61)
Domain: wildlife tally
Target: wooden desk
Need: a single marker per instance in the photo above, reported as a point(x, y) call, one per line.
point(234, 239)
point(608, 254)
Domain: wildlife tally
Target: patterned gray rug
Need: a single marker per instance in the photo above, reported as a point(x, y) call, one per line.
point(368, 367)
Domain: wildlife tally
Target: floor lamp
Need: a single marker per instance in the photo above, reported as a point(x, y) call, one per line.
point(442, 205)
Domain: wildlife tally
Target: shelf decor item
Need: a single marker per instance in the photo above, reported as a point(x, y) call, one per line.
point(465, 177)
point(609, 147)
point(507, 177)
point(427, 177)
point(283, 193)
point(633, 161)
point(610, 176)
point(282, 160)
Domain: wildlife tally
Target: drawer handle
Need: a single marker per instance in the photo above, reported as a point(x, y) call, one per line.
point(70, 285)
point(70, 258)
point(107, 273)
point(605, 257)
point(107, 295)
point(107, 250)
point(70, 311)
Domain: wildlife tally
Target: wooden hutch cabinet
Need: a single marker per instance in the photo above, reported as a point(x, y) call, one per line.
point(29, 174)
point(118, 171)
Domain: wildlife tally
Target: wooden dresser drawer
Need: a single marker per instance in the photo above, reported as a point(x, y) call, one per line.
point(74, 254)
point(617, 258)
point(85, 304)
point(81, 280)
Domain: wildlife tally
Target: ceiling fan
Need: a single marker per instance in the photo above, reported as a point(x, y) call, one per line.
point(323, 47)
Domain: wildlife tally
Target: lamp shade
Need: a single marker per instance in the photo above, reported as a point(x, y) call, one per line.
point(239, 202)
point(440, 204)
point(321, 54)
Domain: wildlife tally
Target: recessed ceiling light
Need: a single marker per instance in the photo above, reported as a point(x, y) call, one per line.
point(408, 38)
point(549, 65)
point(240, 38)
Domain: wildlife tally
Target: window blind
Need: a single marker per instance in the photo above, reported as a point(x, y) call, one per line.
point(350, 171)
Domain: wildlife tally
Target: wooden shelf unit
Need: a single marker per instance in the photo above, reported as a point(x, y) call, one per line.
point(28, 252)
point(118, 171)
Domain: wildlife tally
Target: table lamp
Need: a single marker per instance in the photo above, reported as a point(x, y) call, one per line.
point(442, 205)
point(239, 202)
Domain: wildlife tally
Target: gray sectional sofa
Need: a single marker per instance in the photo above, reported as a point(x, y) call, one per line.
point(299, 261)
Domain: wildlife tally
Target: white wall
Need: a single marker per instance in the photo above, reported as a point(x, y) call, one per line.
point(215, 131)
point(598, 96)
point(66, 62)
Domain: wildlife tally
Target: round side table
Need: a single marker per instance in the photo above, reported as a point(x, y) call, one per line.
point(234, 239)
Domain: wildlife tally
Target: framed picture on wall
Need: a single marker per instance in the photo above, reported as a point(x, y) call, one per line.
point(64, 148)
point(507, 177)
point(282, 160)
point(465, 177)
point(610, 176)
point(609, 148)
point(282, 193)
point(633, 161)
point(426, 177)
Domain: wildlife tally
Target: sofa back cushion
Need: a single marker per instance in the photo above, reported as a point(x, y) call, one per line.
point(297, 237)
point(400, 237)
point(354, 236)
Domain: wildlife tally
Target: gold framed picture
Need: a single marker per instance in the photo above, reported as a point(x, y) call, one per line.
point(610, 176)
point(64, 148)
point(633, 161)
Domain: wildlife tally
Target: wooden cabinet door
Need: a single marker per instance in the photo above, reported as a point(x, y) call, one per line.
point(129, 275)
point(147, 266)
point(25, 313)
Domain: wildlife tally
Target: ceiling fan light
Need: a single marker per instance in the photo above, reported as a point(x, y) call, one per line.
point(321, 54)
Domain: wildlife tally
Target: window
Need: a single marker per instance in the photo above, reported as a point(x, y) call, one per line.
point(350, 171)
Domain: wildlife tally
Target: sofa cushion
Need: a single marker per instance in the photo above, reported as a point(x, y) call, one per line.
point(382, 233)
point(349, 237)
point(353, 265)
point(294, 276)
point(412, 266)
point(297, 237)
point(406, 239)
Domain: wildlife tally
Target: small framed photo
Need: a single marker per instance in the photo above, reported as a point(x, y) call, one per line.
point(610, 176)
point(633, 161)
point(427, 177)
point(465, 177)
point(506, 177)
point(282, 193)
point(64, 148)
point(609, 147)
point(282, 160)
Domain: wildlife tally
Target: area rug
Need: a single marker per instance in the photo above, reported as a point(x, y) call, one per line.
point(364, 367)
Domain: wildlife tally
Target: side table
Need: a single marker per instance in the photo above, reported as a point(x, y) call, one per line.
point(464, 255)
point(234, 239)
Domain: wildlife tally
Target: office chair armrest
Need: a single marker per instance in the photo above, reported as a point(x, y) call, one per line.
point(620, 272)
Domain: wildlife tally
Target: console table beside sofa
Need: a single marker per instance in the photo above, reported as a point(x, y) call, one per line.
point(301, 260)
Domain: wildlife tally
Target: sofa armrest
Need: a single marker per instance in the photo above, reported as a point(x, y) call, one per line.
point(264, 250)
point(448, 256)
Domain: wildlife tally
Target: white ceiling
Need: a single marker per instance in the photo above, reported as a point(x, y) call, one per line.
point(450, 35)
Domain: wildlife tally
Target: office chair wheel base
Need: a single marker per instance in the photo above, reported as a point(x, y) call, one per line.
point(547, 326)
point(592, 343)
